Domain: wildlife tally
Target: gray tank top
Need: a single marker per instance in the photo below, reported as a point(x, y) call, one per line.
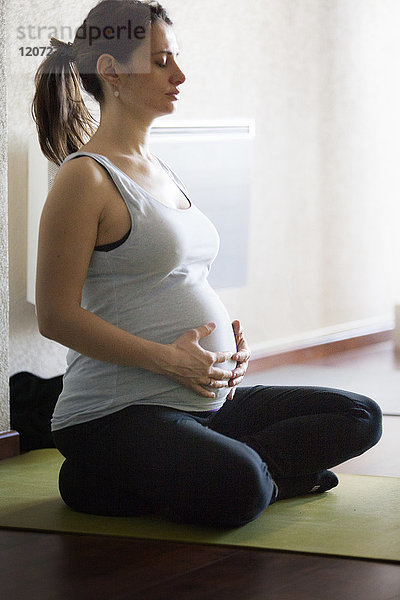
point(154, 285)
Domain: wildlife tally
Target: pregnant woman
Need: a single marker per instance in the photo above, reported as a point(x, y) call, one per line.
point(150, 419)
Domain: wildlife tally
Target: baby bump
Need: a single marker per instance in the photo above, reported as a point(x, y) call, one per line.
point(165, 317)
point(222, 338)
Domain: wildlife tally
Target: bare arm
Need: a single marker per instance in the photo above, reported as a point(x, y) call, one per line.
point(68, 232)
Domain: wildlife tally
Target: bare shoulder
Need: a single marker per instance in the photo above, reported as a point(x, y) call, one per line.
point(80, 178)
point(76, 201)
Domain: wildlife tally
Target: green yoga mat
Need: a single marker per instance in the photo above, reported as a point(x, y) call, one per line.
point(358, 518)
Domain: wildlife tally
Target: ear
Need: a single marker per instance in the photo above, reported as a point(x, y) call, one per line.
point(108, 68)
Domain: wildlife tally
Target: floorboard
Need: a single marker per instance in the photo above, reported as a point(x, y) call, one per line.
point(261, 575)
point(42, 566)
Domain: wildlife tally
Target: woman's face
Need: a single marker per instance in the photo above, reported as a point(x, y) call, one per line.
point(151, 92)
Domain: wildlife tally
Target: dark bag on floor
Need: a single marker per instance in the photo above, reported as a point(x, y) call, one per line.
point(32, 402)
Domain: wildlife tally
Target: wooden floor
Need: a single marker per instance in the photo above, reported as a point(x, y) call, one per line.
point(38, 566)
point(43, 566)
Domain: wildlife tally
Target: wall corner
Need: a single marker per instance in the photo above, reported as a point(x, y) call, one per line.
point(4, 315)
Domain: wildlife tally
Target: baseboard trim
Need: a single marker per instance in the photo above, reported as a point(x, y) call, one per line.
point(315, 349)
point(9, 444)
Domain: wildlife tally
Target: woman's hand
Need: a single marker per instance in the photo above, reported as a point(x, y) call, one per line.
point(241, 356)
point(186, 362)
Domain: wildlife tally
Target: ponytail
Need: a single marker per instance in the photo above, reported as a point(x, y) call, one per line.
point(58, 109)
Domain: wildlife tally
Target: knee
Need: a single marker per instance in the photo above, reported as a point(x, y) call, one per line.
point(245, 493)
point(375, 418)
point(235, 491)
point(87, 491)
point(69, 486)
point(369, 419)
point(256, 493)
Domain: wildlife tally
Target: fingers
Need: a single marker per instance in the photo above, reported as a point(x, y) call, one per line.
point(243, 351)
point(203, 391)
point(235, 381)
point(220, 374)
point(239, 371)
point(241, 356)
point(235, 378)
point(217, 384)
point(204, 330)
point(241, 344)
point(237, 328)
point(219, 378)
point(231, 394)
point(222, 356)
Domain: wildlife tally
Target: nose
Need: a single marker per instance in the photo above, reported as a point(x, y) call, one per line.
point(177, 76)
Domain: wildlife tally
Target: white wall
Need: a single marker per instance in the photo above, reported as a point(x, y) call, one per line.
point(4, 410)
point(320, 78)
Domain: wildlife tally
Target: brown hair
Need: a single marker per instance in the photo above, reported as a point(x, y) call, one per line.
point(61, 116)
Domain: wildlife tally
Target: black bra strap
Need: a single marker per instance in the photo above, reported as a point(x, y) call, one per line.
point(113, 245)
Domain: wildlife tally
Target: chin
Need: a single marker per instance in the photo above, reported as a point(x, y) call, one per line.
point(164, 113)
point(166, 109)
point(171, 108)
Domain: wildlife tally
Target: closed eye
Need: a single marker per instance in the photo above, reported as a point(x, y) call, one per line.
point(162, 65)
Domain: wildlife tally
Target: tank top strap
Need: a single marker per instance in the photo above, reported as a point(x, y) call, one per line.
point(120, 178)
point(174, 176)
point(111, 169)
point(122, 182)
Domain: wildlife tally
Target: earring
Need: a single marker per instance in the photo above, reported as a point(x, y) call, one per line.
point(116, 93)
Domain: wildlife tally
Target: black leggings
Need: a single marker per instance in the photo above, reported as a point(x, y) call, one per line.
point(212, 468)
